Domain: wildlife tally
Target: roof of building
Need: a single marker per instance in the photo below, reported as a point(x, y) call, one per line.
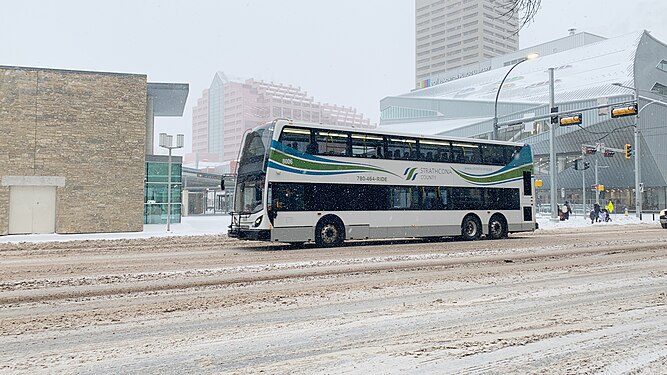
point(432, 127)
point(584, 72)
point(168, 98)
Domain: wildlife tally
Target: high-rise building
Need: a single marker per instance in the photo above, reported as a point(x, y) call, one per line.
point(454, 33)
point(234, 107)
point(200, 124)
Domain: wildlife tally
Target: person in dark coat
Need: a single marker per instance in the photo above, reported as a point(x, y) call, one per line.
point(595, 214)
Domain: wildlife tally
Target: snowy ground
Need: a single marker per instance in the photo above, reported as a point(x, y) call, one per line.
point(217, 224)
point(189, 226)
point(584, 300)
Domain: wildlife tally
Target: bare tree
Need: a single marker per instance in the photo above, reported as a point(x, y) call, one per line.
point(523, 10)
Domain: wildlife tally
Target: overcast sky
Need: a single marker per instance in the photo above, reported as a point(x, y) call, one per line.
point(347, 52)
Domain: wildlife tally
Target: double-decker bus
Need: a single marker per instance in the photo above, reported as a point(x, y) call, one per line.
point(300, 182)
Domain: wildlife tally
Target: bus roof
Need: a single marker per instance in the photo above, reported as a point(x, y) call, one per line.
point(284, 122)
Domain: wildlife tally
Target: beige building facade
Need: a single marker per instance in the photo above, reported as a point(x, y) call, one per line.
point(451, 34)
point(73, 151)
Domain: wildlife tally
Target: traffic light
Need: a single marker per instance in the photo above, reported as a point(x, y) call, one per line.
point(574, 119)
point(630, 110)
point(628, 150)
point(581, 165)
point(554, 119)
point(609, 153)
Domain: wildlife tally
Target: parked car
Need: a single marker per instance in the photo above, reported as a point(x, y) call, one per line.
point(663, 218)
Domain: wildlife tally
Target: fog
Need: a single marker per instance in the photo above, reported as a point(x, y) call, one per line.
point(346, 52)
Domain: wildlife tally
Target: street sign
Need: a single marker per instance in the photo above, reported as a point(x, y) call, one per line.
point(603, 111)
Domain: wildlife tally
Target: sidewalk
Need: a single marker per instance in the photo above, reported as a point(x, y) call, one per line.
point(579, 221)
point(189, 226)
point(217, 224)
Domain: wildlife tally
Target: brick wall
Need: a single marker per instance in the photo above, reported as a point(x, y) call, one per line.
point(87, 127)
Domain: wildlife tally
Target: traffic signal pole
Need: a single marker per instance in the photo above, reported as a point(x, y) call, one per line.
point(552, 150)
point(638, 193)
point(583, 181)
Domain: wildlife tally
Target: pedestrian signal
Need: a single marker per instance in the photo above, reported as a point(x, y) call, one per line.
point(581, 165)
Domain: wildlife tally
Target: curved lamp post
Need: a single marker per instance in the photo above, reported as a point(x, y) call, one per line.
point(530, 56)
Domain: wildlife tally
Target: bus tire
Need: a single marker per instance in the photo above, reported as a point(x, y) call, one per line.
point(497, 227)
point(329, 232)
point(471, 228)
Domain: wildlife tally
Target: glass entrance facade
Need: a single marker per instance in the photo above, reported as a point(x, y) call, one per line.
point(155, 190)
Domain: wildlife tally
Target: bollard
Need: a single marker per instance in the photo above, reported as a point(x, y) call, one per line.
point(626, 211)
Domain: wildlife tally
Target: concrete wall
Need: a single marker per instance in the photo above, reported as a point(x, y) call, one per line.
point(87, 127)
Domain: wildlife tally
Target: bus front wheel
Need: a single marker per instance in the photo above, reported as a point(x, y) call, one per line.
point(329, 232)
point(471, 228)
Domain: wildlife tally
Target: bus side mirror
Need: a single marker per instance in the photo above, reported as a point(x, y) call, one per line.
point(222, 183)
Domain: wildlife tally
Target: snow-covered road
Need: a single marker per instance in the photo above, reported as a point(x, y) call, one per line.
point(577, 299)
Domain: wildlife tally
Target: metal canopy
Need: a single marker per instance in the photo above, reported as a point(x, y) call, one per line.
point(168, 98)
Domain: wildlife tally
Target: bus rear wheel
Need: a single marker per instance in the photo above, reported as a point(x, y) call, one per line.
point(329, 232)
point(497, 227)
point(471, 228)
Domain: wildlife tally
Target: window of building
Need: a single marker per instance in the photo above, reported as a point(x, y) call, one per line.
point(662, 65)
point(659, 88)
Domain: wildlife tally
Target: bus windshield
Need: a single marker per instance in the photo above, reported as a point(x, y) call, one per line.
point(252, 169)
point(249, 193)
point(256, 145)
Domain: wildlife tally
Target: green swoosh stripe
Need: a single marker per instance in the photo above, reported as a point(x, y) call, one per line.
point(497, 178)
point(278, 157)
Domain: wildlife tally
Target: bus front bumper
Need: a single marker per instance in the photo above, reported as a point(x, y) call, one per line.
point(249, 234)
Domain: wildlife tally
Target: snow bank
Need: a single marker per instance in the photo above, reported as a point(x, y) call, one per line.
point(217, 224)
point(579, 221)
point(189, 226)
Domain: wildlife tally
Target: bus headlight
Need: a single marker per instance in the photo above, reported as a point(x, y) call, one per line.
point(258, 221)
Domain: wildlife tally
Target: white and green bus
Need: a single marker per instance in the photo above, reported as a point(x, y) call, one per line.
point(300, 182)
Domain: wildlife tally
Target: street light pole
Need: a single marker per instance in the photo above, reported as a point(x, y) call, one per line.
point(530, 56)
point(166, 141)
point(552, 150)
point(638, 172)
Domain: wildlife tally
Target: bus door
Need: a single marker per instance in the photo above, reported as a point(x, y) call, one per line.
point(286, 201)
point(528, 197)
